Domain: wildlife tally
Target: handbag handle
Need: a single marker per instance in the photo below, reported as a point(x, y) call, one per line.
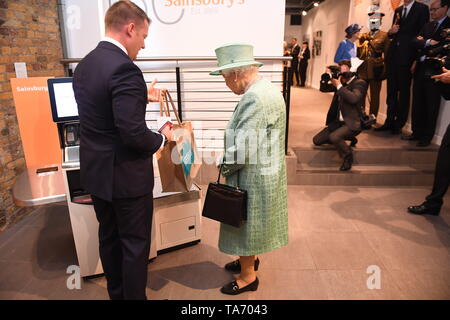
point(220, 171)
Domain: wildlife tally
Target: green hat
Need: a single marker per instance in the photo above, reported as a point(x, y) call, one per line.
point(234, 56)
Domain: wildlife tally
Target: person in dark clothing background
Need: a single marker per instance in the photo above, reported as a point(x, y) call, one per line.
point(344, 116)
point(434, 201)
point(116, 148)
point(305, 55)
point(295, 51)
point(426, 96)
point(408, 21)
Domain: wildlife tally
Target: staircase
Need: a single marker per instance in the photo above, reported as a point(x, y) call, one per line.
point(397, 166)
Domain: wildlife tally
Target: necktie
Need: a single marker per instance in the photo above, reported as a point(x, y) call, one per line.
point(405, 11)
point(435, 26)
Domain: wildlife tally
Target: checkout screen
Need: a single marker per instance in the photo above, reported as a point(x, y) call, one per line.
point(66, 105)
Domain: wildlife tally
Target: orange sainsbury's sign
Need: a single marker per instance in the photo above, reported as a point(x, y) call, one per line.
point(193, 3)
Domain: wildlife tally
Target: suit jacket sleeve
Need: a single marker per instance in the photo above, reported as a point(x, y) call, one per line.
point(353, 95)
point(295, 52)
point(129, 101)
point(307, 54)
point(249, 120)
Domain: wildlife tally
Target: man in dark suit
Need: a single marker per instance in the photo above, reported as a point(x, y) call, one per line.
point(344, 116)
point(426, 92)
point(295, 51)
point(116, 148)
point(408, 21)
point(305, 55)
point(434, 201)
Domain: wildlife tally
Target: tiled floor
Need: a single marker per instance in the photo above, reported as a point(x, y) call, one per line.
point(336, 233)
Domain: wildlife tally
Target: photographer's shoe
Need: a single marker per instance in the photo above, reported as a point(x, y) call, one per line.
point(423, 143)
point(347, 164)
point(235, 266)
point(411, 137)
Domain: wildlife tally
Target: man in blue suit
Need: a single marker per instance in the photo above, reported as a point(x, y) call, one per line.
point(116, 148)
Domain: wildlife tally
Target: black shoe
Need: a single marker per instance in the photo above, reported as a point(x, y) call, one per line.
point(235, 266)
point(396, 131)
point(423, 143)
point(233, 288)
point(384, 127)
point(347, 164)
point(423, 209)
point(411, 137)
point(353, 143)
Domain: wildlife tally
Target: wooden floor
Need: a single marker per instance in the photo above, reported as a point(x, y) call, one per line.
point(335, 234)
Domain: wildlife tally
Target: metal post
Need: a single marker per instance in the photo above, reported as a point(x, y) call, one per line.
point(180, 110)
point(288, 75)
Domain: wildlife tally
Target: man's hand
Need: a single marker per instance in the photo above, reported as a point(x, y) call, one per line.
point(168, 132)
point(394, 29)
point(153, 94)
point(443, 77)
point(335, 82)
point(433, 42)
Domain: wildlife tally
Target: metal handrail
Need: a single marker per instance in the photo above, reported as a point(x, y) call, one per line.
point(274, 58)
point(287, 79)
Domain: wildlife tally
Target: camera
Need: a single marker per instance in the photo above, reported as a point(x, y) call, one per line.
point(335, 73)
point(367, 121)
point(438, 56)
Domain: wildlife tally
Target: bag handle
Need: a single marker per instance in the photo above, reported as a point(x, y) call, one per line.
point(162, 108)
point(220, 171)
point(168, 100)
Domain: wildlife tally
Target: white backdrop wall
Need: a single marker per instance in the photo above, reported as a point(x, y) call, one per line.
point(358, 14)
point(184, 27)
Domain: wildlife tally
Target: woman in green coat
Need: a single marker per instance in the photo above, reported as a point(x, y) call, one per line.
point(254, 160)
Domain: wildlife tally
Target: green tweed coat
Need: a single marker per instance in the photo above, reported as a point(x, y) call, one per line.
point(254, 153)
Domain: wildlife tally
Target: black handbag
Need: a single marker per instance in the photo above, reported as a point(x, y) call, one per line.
point(225, 203)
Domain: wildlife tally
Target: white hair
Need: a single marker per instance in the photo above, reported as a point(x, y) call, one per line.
point(241, 71)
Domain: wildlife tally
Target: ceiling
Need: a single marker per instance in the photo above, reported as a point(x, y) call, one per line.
point(296, 6)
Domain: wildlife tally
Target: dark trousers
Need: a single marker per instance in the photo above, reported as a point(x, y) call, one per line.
point(336, 134)
point(398, 95)
point(302, 69)
point(124, 238)
point(441, 174)
point(294, 71)
point(426, 104)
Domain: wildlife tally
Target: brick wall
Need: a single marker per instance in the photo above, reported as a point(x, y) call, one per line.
point(29, 32)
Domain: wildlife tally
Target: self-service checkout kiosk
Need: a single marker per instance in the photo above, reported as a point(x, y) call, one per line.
point(176, 216)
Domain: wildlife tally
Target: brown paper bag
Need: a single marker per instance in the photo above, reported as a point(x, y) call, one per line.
point(178, 161)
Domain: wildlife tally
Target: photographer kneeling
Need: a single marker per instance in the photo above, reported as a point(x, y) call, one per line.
point(344, 116)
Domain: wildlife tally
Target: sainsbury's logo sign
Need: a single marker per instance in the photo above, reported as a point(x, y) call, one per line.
point(173, 11)
point(190, 3)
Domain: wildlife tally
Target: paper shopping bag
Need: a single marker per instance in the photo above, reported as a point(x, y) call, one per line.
point(178, 161)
